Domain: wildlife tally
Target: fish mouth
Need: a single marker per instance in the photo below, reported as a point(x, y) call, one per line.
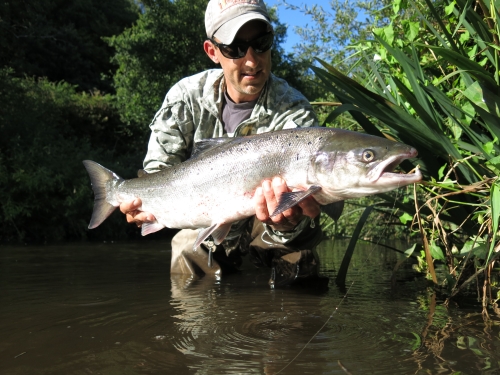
point(382, 173)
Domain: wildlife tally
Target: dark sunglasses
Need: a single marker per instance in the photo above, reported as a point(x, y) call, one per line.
point(237, 50)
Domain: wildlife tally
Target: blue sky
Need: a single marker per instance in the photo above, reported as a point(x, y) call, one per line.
point(295, 18)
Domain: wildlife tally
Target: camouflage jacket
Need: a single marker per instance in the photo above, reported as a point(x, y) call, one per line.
point(192, 111)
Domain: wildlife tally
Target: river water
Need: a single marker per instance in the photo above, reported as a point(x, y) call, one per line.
point(115, 309)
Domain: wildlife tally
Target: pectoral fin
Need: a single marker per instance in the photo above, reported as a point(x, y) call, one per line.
point(217, 231)
point(288, 200)
point(152, 227)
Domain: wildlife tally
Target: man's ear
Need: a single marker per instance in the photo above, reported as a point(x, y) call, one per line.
point(210, 51)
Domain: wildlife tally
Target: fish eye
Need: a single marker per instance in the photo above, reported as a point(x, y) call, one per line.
point(368, 155)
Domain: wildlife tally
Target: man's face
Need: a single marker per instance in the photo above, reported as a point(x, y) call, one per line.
point(245, 77)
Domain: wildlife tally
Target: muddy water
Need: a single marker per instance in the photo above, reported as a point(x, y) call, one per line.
point(114, 309)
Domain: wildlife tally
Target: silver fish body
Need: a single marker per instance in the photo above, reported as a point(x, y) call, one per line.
point(216, 187)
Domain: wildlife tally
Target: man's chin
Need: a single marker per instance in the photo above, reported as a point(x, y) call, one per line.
point(252, 88)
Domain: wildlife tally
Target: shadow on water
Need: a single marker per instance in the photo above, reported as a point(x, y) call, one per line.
point(114, 309)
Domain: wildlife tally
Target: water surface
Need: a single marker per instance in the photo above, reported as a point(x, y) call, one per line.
point(115, 309)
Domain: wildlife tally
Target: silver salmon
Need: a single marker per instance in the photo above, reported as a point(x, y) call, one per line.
point(215, 188)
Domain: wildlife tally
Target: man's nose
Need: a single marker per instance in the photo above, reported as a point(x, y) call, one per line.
point(251, 56)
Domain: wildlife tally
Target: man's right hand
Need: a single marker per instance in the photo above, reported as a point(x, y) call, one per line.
point(133, 214)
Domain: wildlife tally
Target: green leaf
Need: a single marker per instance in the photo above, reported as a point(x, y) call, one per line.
point(436, 251)
point(488, 147)
point(446, 183)
point(411, 29)
point(495, 213)
point(449, 8)
point(405, 218)
point(396, 6)
point(385, 33)
point(417, 343)
point(483, 98)
point(494, 164)
point(441, 171)
point(411, 250)
point(475, 246)
point(472, 67)
point(494, 46)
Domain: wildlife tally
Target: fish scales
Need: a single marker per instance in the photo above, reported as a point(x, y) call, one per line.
point(189, 187)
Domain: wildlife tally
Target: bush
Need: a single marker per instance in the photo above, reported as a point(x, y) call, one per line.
point(47, 130)
point(433, 82)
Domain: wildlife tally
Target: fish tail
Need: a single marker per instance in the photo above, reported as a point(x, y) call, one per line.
point(99, 177)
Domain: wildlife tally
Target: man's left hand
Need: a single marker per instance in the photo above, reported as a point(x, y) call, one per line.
point(266, 201)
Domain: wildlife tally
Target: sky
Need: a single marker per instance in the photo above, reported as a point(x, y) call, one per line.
point(295, 18)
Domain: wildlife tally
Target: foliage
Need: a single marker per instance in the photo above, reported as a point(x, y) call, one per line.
point(433, 82)
point(62, 40)
point(166, 45)
point(287, 66)
point(386, 221)
point(333, 30)
point(58, 106)
point(47, 130)
point(163, 46)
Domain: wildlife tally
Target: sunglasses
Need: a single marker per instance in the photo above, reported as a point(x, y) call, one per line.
point(237, 50)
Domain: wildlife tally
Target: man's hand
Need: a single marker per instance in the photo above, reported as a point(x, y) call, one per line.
point(266, 200)
point(133, 215)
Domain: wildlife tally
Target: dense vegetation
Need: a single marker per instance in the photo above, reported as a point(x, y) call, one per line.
point(82, 80)
point(431, 78)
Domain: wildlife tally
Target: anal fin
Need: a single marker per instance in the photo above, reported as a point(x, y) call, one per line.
point(217, 231)
point(220, 233)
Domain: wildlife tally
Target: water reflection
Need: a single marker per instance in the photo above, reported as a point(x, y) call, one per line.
point(238, 327)
point(114, 309)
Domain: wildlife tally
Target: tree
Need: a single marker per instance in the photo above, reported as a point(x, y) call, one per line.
point(332, 31)
point(47, 130)
point(286, 66)
point(164, 46)
point(62, 40)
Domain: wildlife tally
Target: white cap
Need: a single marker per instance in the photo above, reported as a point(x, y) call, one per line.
point(224, 18)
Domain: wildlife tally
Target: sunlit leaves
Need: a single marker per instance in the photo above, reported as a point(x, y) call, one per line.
point(435, 84)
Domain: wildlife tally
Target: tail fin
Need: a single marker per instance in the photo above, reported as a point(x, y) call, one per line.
point(99, 177)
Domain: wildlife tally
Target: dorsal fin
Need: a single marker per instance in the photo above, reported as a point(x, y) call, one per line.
point(208, 144)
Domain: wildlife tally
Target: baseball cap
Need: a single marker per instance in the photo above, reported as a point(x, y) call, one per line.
point(223, 18)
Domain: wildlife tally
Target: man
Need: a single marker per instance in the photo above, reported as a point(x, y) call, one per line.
point(241, 99)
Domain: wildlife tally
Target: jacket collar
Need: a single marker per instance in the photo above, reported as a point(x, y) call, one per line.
point(271, 95)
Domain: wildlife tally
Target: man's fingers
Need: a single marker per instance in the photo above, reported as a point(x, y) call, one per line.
point(293, 214)
point(266, 200)
point(133, 215)
point(269, 195)
point(143, 216)
point(272, 191)
point(130, 216)
point(130, 206)
point(310, 207)
point(261, 212)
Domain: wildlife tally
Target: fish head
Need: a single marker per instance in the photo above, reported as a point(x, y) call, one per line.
point(350, 165)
